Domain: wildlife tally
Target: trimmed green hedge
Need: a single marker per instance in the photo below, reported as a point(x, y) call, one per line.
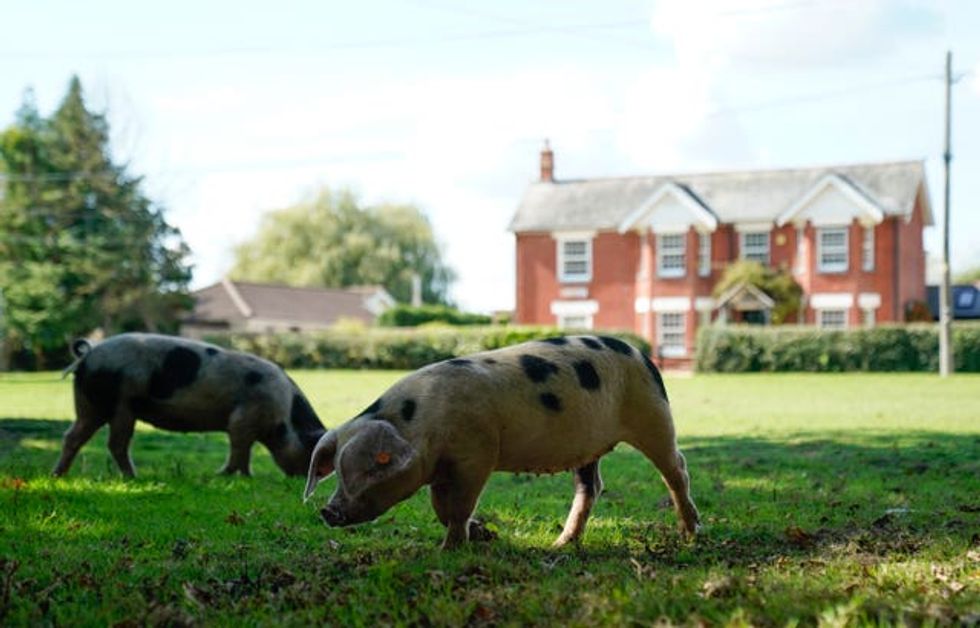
point(378, 348)
point(901, 348)
point(409, 316)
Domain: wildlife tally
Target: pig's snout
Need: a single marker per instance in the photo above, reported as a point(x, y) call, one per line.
point(333, 517)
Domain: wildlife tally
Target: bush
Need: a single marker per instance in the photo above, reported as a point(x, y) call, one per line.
point(408, 316)
point(894, 348)
point(389, 348)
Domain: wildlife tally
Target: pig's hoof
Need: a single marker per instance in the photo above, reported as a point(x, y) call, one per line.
point(480, 533)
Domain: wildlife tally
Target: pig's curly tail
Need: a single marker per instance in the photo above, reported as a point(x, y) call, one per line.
point(79, 348)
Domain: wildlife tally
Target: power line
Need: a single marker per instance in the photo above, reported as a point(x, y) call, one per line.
point(529, 30)
point(825, 95)
point(787, 101)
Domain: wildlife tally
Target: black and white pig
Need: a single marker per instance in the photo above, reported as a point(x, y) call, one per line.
point(541, 407)
point(188, 386)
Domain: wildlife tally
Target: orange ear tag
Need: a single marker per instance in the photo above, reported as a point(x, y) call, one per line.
point(383, 457)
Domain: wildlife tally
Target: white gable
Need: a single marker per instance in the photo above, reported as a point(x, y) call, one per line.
point(671, 209)
point(832, 201)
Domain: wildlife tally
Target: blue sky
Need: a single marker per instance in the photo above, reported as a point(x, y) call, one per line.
point(234, 108)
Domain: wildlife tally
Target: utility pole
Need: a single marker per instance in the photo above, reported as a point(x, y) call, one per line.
point(945, 309)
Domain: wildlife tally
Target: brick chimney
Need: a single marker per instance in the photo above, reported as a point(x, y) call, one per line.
point(547, 163)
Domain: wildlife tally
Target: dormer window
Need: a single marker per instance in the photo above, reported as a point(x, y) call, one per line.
point(575, 259)
point(671, 255)
point(832, 249)
point(754, 246)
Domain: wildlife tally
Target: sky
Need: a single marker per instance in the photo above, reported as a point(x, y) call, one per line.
point(232, 109)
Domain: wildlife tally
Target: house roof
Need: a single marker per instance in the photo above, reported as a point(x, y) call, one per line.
point(232, 301)
point(733, 197)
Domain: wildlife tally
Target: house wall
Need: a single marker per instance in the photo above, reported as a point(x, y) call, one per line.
point(912, 259)
point(624, 271)
point(613, 283)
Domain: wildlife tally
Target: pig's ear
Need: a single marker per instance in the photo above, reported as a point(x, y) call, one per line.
point(321, 462)
point(376, 454)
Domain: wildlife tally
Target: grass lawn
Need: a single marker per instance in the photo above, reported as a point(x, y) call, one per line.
point(827, 499)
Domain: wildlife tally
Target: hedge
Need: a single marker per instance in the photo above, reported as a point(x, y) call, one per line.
point(410, 316)
point(899, 348)
point(387, 348)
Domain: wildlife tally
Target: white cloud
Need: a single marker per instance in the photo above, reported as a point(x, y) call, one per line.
point(777, 34)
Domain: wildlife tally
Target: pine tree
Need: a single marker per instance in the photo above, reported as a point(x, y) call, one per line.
point(81, 246)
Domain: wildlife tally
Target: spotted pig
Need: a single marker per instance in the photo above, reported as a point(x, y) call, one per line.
point(188, 386)
point(540, 407)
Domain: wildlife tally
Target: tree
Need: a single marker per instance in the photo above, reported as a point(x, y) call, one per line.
point(81, 246)
point(970, 275)
point(330, 240)
point(777, 283)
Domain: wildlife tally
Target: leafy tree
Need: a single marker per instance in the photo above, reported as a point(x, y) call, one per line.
point(777, 283)
point(80, 245)
point(970, 275)
point(330, 240)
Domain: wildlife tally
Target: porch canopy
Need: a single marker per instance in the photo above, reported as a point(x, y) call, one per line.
point(744, 297)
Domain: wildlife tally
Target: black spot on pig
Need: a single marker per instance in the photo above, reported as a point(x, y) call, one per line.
point(304, 420)
point(101, 388)
point(557, 341)
point(489, 361)
point(616, 345)
point(550, 401)
point(537, 369)
point(459, 362)
point(592, 343)
point(408, 409)
point(140, 406)
point(371, 409)
point(211, 351)
point(588, 477)
point(179, 369)
point(278, 435)
point(588, 378)
point(655, 374)
point(252, 378)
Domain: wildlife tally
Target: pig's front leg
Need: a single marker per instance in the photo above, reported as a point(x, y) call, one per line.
point(455, 491)
point(241, 435)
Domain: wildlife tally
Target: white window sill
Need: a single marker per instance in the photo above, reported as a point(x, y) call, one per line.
point(673, 352)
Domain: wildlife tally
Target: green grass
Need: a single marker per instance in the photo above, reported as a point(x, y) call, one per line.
point(827, 499)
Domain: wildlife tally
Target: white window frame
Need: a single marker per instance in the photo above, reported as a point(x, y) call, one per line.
point(672, 252)
point(585, 256)
point(868, 249)
point(799, 267)
point(868, 316)
point(568, 321)
point(836, 267)
point(824, 323)
point(677, 335)
point(756, 250)
point(704, 254)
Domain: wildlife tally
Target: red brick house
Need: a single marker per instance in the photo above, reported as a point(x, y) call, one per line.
point(644, 253)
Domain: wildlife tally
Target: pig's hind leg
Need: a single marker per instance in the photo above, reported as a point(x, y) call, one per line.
point(120, 435)
point(660, 446)
point(588, 486)
point(87, 423)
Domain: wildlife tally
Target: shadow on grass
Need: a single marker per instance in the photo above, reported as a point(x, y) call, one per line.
point(758, 496)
